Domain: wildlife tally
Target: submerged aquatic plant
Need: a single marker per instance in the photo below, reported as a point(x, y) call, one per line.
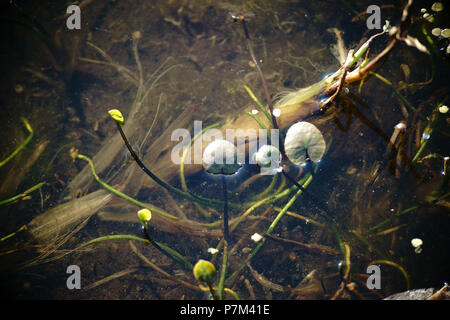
point(22, 145)
point(303, 144)
point(220, 158)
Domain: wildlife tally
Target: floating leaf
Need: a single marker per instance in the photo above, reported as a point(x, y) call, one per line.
point(302, 138)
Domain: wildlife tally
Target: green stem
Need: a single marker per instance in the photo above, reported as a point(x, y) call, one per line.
point(369, 245)
point(224, 269)
point(399, 95)
point(422, 147)
point(186, 195)
point(174, 255)
point(122, 195)
point(23, 145)
point(211, 289)
point(411, 209)
point(114, 237)
point(262, 125)
point(338, 237)
point(20, 196)
point(234, 294)
point(182, 176)
point(258, 103)
point(24, 227)
point(269, 188)
point(226, 238)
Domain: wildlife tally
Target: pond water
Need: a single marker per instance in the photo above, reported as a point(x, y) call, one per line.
point(169, 65)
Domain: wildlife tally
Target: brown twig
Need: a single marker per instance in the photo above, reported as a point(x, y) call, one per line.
point(249, 287)
point(310, 246)
point(346, 276)
point(261, 75)
point(158, 269)
point(265, 282)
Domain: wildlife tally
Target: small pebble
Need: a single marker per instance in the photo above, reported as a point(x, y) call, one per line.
point(136, 35)
point(256, 237)
point(246, 250)
point(292, 256)
point(437, 7)
point(212, 250)
point(436, 32)
point(445, 33)
point(18, 88)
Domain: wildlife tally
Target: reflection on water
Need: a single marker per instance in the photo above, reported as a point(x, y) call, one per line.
point(382, 182)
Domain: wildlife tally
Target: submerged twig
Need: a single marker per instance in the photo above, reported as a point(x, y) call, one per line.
point(261, 75)
point(161, 271)
point(265, 282)
point(314, 247)
point(395, 265)
point(345, 275)
point(110, 278)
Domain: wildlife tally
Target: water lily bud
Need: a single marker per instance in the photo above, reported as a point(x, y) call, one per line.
point(117, 116)
point(204, 271)
point(144, 216)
